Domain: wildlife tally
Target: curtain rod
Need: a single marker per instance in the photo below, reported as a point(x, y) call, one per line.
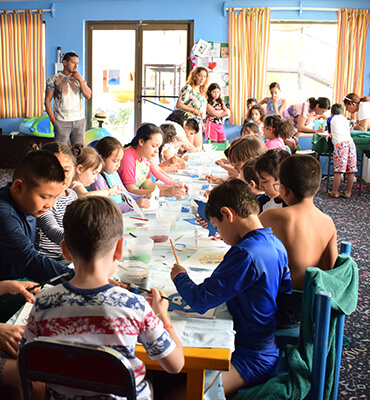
point(300, 8)
point(51, 10)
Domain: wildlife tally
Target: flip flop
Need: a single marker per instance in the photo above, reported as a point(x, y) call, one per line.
point(334, 195)
point(343, 194)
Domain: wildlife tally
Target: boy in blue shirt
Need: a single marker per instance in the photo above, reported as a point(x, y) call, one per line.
point(249, 279)
point(37, 182)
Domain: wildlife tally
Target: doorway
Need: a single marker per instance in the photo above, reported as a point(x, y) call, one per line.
point(136, 70)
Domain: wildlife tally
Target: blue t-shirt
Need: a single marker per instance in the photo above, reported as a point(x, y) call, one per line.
point(249, 279)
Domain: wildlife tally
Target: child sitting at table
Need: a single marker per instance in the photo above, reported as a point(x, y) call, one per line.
point(37, 182)
point(308, 235)
point(344, 155)
point(49, 227)
point(89, 309)
point(135, 167)
point(248, 175)
point(88, 166)
point(249, 128)
point(276, 130)
point(111, 152)
point(249, 279)
point(240, 151)
point(267, 167)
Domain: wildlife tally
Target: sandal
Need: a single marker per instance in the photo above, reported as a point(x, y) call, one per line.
point(343, 194)
point(334, 195)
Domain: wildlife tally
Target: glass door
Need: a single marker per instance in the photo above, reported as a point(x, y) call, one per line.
point(135, 70)
point(164, 67)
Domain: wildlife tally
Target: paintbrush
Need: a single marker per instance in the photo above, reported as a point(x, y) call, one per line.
point(49, 281)
point(133, 286)
point(174, 251)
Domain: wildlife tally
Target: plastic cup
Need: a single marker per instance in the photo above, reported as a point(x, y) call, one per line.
point(169, 216)
point(174, 206)
point(140, 249)
point(134, 272)
point(159, 230)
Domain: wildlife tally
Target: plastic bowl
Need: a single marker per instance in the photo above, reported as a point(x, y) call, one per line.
point(140, 249)
point(159, 230)
point(134, 272)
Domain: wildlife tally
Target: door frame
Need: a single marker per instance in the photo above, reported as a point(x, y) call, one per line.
point(138, 27)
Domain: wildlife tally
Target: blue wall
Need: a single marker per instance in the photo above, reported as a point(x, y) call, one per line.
point(67, 27)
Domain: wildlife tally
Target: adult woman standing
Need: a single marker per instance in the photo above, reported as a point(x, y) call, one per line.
point(192, 99)
point(306, 112)
point(361, 106)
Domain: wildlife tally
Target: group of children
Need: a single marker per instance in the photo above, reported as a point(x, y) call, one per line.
point(264, 210)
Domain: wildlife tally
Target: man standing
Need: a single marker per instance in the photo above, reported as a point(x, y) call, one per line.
point(66, 88)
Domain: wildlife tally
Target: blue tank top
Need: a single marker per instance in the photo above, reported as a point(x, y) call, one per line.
point(270, 106)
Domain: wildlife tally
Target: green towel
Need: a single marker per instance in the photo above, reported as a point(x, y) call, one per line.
point(342, 283)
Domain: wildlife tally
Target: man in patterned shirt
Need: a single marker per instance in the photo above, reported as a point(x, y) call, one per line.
point(66, 88)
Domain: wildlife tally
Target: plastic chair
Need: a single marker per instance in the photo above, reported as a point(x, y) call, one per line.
point(322, 324)
point(290, 335)
point(77, 365)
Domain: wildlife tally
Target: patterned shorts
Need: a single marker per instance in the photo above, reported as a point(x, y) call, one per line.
point(344, 157)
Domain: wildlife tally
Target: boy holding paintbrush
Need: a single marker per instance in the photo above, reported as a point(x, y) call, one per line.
point(89, 309)
point(249, 279)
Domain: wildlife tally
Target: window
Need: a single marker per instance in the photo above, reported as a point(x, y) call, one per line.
point(302, 59)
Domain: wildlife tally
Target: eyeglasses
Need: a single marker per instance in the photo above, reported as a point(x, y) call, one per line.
point(276, 186)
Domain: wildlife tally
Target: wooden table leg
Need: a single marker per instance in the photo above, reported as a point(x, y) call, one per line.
point(195, 384)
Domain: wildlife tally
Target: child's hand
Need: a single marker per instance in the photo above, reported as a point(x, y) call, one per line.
point(143, 203)
point(115, 191)
point(201, 222)
point(178, 190)
point(321, 130)
point(221, 162)
point(177, 269)
point(158, 303)
point(213, 179)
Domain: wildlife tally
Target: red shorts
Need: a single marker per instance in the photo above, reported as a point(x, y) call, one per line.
point(344, 157)
point(215, 132)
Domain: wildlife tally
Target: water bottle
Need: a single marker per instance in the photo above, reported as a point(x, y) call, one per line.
point(59, 55)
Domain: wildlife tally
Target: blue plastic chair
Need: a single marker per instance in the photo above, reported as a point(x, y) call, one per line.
point(77, 365)
point(322, 324)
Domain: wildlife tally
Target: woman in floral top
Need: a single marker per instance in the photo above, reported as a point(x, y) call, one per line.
point(192, 99)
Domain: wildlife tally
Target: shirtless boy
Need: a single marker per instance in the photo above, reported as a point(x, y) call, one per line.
point(309, 236)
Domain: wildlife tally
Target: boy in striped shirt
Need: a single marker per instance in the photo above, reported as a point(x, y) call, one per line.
point(89, 309)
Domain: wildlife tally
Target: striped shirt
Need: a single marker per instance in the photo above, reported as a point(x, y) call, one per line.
point(49, 227)
point(109, 316)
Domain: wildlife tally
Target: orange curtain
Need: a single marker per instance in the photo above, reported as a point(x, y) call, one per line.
point(249, 33)
point(351, 51)
point(22, 69)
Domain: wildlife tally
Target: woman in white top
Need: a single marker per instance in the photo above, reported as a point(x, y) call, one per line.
point(361, 106)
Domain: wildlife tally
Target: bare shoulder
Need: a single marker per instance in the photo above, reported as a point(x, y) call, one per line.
point(273, 215)
point(325, 220)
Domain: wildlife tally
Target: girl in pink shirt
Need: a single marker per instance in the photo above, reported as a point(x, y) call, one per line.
point(276, 129)
point(135, 167)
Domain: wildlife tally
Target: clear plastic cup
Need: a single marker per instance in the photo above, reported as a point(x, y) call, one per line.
point(140, 249)
point(159, 230)
point(168, 216)
point(174, 206)
point(134, 272)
